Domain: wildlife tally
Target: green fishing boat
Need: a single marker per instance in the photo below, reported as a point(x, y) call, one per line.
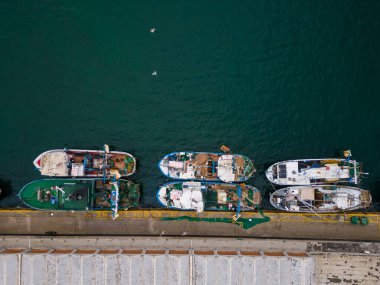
point(81, 194)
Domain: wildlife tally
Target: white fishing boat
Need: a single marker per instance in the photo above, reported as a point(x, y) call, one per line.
point(85, 163)
point(207, 166)
point(314, 171)
point(208, 196)
point(320, 198)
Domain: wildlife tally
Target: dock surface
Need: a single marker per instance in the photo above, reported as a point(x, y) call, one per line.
point(151, 223)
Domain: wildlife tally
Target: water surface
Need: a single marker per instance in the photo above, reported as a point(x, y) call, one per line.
point(272, 80)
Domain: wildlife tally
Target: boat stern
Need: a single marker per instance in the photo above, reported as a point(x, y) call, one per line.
point(252, 196)
point(161, 195)
point(130, 164)
point(134, 194)
point(277, 198)
point(163, 165)
point(273, 200)
point(355, 171)
point(269, 173)
point(249, 168)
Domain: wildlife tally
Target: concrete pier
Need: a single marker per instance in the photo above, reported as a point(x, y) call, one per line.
point(41, 247)
point(150, 223)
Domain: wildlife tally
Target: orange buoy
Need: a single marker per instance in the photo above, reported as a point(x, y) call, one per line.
point(224, 148)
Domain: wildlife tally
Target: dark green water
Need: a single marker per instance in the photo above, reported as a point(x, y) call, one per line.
point(274, 80)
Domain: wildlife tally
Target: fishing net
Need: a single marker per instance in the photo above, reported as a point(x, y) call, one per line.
point(245, 223)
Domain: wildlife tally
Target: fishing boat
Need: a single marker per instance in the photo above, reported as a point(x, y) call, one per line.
point(208, 196)
point(206, 166)
point(320, 198)
point(81, 194)
point(85, 163)
point(314, 171)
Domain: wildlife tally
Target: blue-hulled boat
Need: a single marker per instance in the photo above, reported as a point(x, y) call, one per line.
point(208, 196)
point(207, 166)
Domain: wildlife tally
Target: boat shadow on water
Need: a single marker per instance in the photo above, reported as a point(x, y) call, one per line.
point(374, 187)
point(5, 188)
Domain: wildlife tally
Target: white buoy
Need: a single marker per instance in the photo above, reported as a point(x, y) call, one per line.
point(154, 73)
point(152, 30)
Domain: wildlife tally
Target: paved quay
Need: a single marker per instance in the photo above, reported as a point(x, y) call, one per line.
point(182, 245)
point(150, 223)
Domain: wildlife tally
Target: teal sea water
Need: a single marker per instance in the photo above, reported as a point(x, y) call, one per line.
point(273, 80)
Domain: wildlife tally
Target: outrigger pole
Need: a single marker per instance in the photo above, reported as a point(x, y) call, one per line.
point(114, 194)
point(237, 215)
point(104, 166)
point(115, 206)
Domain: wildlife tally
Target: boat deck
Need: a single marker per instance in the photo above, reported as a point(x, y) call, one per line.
point(68, 195)
point(203, 163)
point(201, 166)
point(85, 163)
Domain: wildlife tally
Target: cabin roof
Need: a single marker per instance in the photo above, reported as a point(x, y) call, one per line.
point(55, 163)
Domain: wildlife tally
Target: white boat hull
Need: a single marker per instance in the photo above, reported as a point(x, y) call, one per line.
point(63, 162)
point(314, 172)
point(320, 198)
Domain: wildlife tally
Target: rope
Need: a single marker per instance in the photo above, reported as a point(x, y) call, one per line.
point(306, 204)
point(273, 186)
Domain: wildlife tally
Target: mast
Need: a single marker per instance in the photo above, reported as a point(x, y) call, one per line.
point(104, 166)
point(237, 215)
point(115, 184)
point(115, 201)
